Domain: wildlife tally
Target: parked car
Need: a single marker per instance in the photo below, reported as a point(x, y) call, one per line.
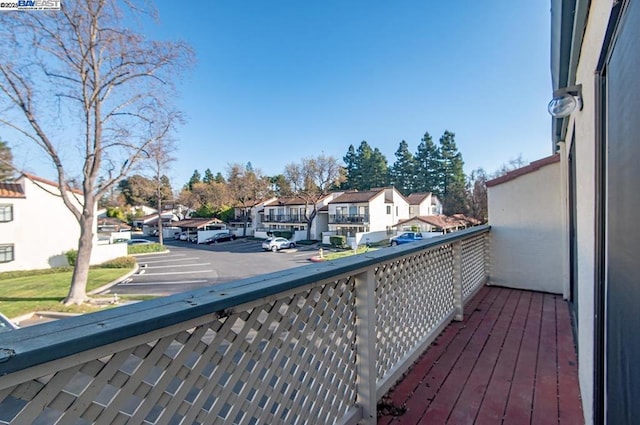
point(186, 236)
point(220, 237)
point(138, 242)
point(276, 244)
point(193, 238)
point(6, 324)
point(406, 237)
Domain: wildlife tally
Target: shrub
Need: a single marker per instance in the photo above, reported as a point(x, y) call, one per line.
point(306, 242)
point(145, 248)
point(282, 234)
point(72, 256)
point(39, 272)
point(119, 263)
point(338, 241)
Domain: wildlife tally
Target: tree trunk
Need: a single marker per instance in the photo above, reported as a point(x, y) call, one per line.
point(160, 237)
point(246, 220)
point(310, 219)
point(78, 290)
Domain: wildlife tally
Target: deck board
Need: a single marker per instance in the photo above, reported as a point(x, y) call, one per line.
point(511, 361)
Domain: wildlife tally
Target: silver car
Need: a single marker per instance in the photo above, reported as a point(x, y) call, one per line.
point(276, 244)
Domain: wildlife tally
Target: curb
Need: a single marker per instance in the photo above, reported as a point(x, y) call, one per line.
point(114, 282)
point(150, 253)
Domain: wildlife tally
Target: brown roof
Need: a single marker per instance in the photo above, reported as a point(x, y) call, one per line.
point(354, 197)
point(417, 198)
point(470, 220)
point(35, 178)
point(196, 223)
point(288, 201)
point(443, 221)
point(535, 165)
point(11, 190)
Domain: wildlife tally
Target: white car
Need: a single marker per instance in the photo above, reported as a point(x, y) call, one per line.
point(276, 244)
point(139, 242)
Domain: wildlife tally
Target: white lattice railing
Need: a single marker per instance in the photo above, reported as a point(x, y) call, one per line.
point(317, 344)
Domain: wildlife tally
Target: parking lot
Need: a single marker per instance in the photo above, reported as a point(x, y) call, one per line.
point(189, 266)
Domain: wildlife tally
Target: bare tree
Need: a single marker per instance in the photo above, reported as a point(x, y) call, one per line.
point(78, 78)
point(477, 194)
point(313, 179)
point(247, 187)
point(161, 156)
point(512, 164)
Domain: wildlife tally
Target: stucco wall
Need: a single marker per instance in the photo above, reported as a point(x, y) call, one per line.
point(102, 253)
point(41, 231)
point(526, 221)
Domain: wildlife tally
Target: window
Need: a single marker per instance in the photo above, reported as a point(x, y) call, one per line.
point(6, 253)
point(410, 210)
point(6, 213)
point(388, 209)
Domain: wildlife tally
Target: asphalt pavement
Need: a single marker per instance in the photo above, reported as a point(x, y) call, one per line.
point(190, 266)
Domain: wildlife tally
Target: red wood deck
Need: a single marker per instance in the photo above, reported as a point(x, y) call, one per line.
point(511, 361)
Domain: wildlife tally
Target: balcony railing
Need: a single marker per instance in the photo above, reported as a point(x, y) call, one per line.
point(315, 344)
point(349, 219)
point(284, 218)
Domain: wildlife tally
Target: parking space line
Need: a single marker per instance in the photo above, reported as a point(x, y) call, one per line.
point(186, 272)
point(166, 261)
point(164, 283)
point(179, 265)
point(161, 256)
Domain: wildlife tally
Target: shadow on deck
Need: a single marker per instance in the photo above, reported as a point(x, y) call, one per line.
point(512, 360)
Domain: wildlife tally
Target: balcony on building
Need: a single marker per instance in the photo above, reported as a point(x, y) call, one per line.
point(348, 218)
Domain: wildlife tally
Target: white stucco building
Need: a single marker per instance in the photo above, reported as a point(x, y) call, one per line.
point(424, 204)
point(36, 228)
point(369, 211)
point(290, 215)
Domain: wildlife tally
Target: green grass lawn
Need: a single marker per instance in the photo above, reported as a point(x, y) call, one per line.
point(346, 253)
point(43, 292)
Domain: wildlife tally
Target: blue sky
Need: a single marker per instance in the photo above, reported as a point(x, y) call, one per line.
point(277, 81)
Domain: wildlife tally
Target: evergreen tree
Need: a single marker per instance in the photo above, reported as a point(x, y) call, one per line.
point(195, 178)
point(280, 186)
point(219, 178)
point(6, 162)
point(365, 168)
point(208, 177)
point(403, 171)
point(454, 197)
point(428, 170)
point(378, 170)
point(350, 161)
point(137, 190)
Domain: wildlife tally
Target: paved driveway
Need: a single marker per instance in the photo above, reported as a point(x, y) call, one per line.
point(190, 266)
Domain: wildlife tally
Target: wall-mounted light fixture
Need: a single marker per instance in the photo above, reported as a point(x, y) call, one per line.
point(565, 101)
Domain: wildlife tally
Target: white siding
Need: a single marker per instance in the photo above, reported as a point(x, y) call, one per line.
point(41, 231)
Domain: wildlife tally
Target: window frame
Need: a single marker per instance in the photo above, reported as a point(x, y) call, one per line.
point(3, 213)
point(4, 252)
